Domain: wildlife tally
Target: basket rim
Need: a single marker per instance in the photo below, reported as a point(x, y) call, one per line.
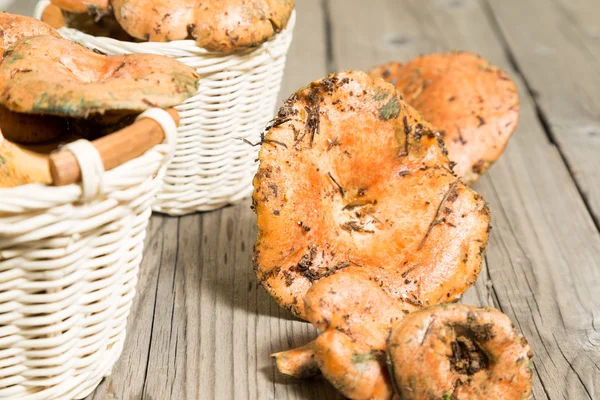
point(129, 173)
point(182, 45)
point(74, 189)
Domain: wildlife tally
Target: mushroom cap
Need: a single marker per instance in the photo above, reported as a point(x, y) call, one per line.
point(14, 27)
point(356, 306)
point(474, 103)
point(431, 350)
point(49, 75)
point(339, 189)
point(217, 25)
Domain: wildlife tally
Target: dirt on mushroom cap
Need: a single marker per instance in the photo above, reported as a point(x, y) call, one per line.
point(340, 189)
point(14, 27)
point(473, 102)
point(49, 75)
point(454, 351)
point(218, 25)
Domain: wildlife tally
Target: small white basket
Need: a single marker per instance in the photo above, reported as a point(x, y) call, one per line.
point(69, 258)
point(236, 98)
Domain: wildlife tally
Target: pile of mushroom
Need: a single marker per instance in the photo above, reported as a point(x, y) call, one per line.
point(53, 89)
point(371, 349)
point(361, 224)
point(217, 25)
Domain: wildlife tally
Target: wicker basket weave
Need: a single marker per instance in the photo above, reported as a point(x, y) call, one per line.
point(236, 99)
point(69, 258)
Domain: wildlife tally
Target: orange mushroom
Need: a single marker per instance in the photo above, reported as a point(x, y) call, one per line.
point(19, 166)
point(447, 351)
point(444, 350)
point(353, 181)
point(14, 27)
point(218, 25)
point(35, 129)
point(454, 351)
point(64, 78)
point(45, 79)
point(474, 103)
point(355, 317)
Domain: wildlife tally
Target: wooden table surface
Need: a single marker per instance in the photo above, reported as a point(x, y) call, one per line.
point(201, 328)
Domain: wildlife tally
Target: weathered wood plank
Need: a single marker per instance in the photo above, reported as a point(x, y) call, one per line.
point(129, 374)
point(307, 59)
point(559, 55)
point(544, 253)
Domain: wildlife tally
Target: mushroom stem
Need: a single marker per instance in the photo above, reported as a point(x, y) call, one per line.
point(299, 363)
point(353, 368)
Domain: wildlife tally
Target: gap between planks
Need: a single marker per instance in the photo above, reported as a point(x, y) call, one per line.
point(539, 110)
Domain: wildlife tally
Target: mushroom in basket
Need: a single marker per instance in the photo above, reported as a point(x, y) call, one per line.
point(217, 25)
point(14, 27)
point(52, 89)
point(474, 103)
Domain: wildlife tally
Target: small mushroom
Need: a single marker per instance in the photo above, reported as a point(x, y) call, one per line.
point(353, 181)
point(474, 103)
point(355, 317)
point(217, 25)
point(454, 351)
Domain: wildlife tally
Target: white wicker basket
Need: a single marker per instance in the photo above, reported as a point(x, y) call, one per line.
point(236, 99)
point(69, 258)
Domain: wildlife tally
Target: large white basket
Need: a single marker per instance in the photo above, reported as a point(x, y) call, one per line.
point(69, 259)
point(236, 99)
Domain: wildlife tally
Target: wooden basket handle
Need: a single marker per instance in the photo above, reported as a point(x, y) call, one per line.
point(114, 149)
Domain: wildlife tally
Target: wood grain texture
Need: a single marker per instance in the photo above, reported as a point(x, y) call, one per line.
point(544, 253)
point(559, 56)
